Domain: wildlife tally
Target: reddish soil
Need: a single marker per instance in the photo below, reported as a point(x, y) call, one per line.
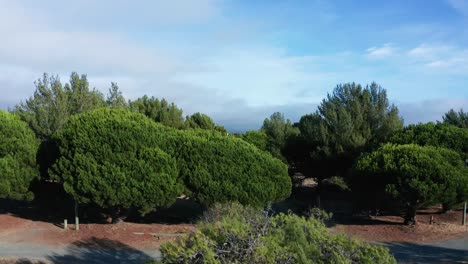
point(14, 229)
point(391, 229)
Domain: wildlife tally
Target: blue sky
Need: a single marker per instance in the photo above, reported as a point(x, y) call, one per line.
point(239, 61)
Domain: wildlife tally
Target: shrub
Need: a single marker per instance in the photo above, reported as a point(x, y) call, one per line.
point(18, 147)
point(235, 234)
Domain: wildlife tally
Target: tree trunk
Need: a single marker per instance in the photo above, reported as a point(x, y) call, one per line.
point(446, 207)
point(410, 216)
point(119, 216)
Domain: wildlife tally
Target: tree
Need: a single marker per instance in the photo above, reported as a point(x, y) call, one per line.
point(52, 103)
point(202, 121)
point(235, 234)
point(18, 147)
point(414, 176)
point(459, 119)
point(348, 122)
point(115, 98)
point(431, 134)
point(159, 111)
point(216, 168)
point(279, 131)
point(48, 109)
point(110, 158)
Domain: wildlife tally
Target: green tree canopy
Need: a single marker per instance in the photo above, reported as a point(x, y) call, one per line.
point(159, 111)
point(431, 134)
point(18, 147)
point(414, 176)
point(349, 121)
point(216, 168)
point(115, 99)
point(279, 132)
point(459, 119)
point(52, 103)
point(256, 138)
point(110, 158)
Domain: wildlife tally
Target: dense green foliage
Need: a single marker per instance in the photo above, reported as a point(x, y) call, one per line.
point(459, 119)
point(202, 121)
point(438, 135)
point(109, 157)
point(279, 133)
point(233, 234)
point(349, 121)
point(115, 99)
point(52, 104)
point(256, 138)
point(414, 176)
point(102, 156)
point(18, 147)
point(216, 168)
point(159, 111)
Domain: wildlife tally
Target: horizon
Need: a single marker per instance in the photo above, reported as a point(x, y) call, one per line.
point(240, 61)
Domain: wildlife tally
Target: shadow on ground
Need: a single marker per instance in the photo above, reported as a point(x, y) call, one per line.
point(99, 251)
point(419, 253)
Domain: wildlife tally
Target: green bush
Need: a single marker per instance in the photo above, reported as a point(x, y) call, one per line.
point(108, 157)
point(234, 234)
point(414, 176)
point(18, 148)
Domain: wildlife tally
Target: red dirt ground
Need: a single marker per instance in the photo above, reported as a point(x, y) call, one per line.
point(15, 229)
point(390, 228)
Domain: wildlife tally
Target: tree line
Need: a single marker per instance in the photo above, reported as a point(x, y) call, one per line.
point(140, 155)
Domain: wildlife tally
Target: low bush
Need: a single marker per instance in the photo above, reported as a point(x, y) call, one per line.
point(236, 234)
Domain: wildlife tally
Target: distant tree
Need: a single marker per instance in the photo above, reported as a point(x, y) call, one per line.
point(111, 158)
point(115, 98)
point(459, 119)
point(159, 111)
point(414, 176)
point(18, 147)
point(80, 97)
point(52, 104)
point(279, 131)
point(202, 121)
point(348, 122)
point(256, 138)
point(48, 109)
point(199, 120)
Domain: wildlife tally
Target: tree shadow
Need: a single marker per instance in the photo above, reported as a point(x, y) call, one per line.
point(420, 253)
point(99, 251)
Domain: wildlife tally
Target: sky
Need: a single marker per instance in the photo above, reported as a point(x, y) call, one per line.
point(241, 60)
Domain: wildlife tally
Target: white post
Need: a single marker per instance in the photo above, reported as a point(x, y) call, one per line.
point(65, 224)
point(77, 220)
point(464, 214)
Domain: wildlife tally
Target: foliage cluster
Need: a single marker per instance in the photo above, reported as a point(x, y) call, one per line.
point(236, 234)
point(18, 147)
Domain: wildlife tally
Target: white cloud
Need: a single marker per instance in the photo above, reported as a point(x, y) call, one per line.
point(381, 52)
